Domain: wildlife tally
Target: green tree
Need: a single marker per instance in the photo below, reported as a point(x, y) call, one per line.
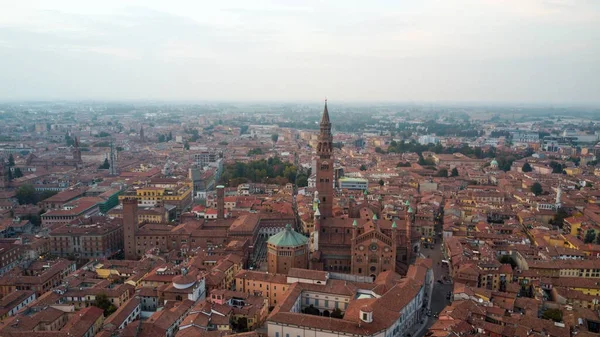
point(381, 182)
point(45, 195)
point(302, 180)
point(454, 172)
point(255, 151)
point(105, 165)
point(559, 217)
point(195, 135)
point(442, 173)
point(526, 167)
point(103, 303)
point(274, 138)
point(242, 324)
point(161, 138)
point(337, 313)
point(363, 167)
point(26, 194)
point(186, 146)
point(9, 175)
point(11, 160)
point(590, 236)
point(18, 173)
point(401, 164)
point(556, 167)
point(507, 259)
point(311, 310)
point(536, 188)
point(290, 173)
point(243, 129)
point(69, 140)
point(553, 314)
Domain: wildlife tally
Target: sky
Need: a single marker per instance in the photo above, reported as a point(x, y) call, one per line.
point(502, 51)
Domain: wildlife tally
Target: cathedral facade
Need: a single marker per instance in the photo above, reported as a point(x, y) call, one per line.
point(356, 244)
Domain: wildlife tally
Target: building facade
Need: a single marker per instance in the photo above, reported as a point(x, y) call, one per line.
point(96, 236)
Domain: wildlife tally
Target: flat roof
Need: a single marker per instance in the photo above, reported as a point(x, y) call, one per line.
point(358, 180)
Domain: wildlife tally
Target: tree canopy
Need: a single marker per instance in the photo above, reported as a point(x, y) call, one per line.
point(103, 303)
point(590, 236)
point(442, 173)
point(26, 194)
point(105, 165)
point(553, 314)
point(536, 188)
point(259, 171)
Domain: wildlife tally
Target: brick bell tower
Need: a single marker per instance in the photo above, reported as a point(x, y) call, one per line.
point(130, 227)
point(325, 166)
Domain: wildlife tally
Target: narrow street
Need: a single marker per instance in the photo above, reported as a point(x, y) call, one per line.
point(440, 291)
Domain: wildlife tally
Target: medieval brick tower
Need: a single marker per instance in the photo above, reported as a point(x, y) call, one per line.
point(325, 167)
point(130, 226)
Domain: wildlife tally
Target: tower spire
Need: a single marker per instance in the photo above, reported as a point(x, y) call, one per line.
point(325, 117)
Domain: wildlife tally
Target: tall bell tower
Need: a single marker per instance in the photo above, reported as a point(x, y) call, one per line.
point(325, 166)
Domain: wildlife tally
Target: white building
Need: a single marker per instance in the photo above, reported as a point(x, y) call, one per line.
point(353, 183)
point(428, 139)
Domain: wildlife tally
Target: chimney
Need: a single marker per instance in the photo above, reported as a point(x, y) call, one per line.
point(220, 202)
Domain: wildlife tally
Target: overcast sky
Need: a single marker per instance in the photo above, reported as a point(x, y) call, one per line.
point(545, 51)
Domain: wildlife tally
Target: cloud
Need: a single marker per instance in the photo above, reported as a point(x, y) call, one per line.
point(461, 49)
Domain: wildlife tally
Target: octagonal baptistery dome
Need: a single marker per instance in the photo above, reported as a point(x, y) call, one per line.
point(287, 249)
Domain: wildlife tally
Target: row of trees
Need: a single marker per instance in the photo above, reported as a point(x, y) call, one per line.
point(556, 167)
point(195, 134)
point(444, 172)
point(26, 194)
point(13, 173)
point(255, 152)
point(335, 313)
point(413, 146)
point(165, 138)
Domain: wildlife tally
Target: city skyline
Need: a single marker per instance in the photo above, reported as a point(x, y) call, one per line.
point(536, 51)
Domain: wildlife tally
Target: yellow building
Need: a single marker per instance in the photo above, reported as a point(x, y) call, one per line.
point(152, 214)
point(572, 171)
point(574, 223)
point(567, 268)
point(163, 191)
point(273, 286)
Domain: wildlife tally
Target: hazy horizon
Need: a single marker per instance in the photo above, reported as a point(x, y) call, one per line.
point(480, 52)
